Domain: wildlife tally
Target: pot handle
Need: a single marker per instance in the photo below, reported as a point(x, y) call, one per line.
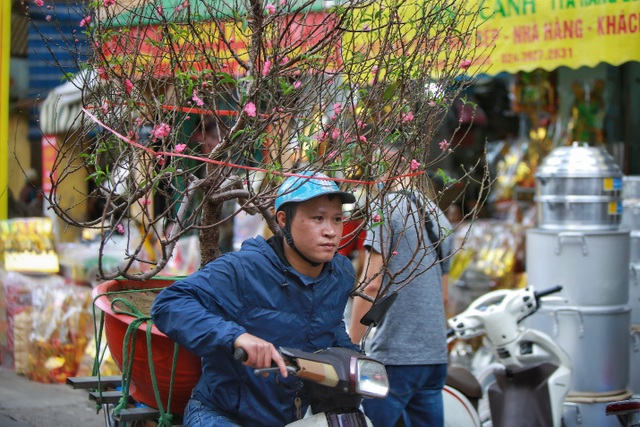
point(634, 273)
point(572, 235)
point(556, 323)
point(576, 408)
point(635, 339)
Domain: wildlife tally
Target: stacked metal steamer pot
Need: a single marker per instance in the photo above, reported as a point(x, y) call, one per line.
point(578, 244)
point(631, 221)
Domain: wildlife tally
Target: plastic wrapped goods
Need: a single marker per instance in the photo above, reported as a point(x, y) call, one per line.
point(50, 324)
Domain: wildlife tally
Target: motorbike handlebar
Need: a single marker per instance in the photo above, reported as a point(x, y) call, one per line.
point(240, 354)
point(545, 292)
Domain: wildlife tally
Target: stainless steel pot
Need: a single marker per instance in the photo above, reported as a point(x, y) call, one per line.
point(631, 202)
point(592, 267)
point(579, 212)
point(630, 215)
point(579, 187)
point(597, 341)
point(634, 254)
point(631, 187)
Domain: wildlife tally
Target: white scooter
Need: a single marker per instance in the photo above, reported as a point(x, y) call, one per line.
point(533, 374)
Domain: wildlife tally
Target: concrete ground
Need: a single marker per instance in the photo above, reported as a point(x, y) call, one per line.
point(25, 403)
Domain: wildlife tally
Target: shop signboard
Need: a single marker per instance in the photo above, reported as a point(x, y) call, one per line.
point(530, 34)
point(513, 35)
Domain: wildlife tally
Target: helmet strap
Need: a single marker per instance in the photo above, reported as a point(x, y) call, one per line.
point(286, 232)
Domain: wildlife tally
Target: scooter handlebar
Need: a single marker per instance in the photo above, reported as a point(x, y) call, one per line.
point(545, 292)
point(240, 354)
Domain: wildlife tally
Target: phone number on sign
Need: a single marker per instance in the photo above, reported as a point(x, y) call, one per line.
point(537, 55)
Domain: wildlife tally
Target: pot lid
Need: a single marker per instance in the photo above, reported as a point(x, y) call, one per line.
point(579, 160)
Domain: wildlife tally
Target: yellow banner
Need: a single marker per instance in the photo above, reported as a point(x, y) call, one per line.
point(530, 34)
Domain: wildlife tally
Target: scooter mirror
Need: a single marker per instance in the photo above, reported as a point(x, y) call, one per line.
point(378, 310)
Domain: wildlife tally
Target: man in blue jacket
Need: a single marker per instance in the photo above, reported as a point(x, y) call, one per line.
point(287, 291)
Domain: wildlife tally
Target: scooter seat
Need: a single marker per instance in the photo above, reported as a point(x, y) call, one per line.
point(463, 380)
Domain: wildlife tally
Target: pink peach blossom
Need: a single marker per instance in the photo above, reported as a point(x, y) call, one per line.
point(199, 102)
point(128, 86)
point(414, 165)
point(161, 131)
point(266, 67)
point(407, 117)
point(180, 148)
point(250, 109)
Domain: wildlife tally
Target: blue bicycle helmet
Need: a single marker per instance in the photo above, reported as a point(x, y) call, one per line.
point(300, 189)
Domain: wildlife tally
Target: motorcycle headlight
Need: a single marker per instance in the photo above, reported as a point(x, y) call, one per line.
point(370, 378)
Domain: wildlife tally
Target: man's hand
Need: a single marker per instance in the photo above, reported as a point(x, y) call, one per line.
point(261, 353)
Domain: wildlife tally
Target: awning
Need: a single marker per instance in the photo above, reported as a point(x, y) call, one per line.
point(61, 110)
point(530, 34)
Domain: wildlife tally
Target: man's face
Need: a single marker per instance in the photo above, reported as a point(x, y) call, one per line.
point(317, 227)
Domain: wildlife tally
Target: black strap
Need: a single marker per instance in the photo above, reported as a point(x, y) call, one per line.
point(286, 232)
point(428, 225)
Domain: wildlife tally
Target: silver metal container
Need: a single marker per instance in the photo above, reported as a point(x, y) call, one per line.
point(631, 202)
point(596, 339)
point(579, 188)
point(634, 277)
point(634, 254)
point(631, 187)
point(591, 266)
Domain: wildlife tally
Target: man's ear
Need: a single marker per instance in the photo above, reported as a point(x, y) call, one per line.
point(281, 218)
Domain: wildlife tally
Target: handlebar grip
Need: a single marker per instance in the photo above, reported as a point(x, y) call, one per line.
point(551, 290)
point(240, 354)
